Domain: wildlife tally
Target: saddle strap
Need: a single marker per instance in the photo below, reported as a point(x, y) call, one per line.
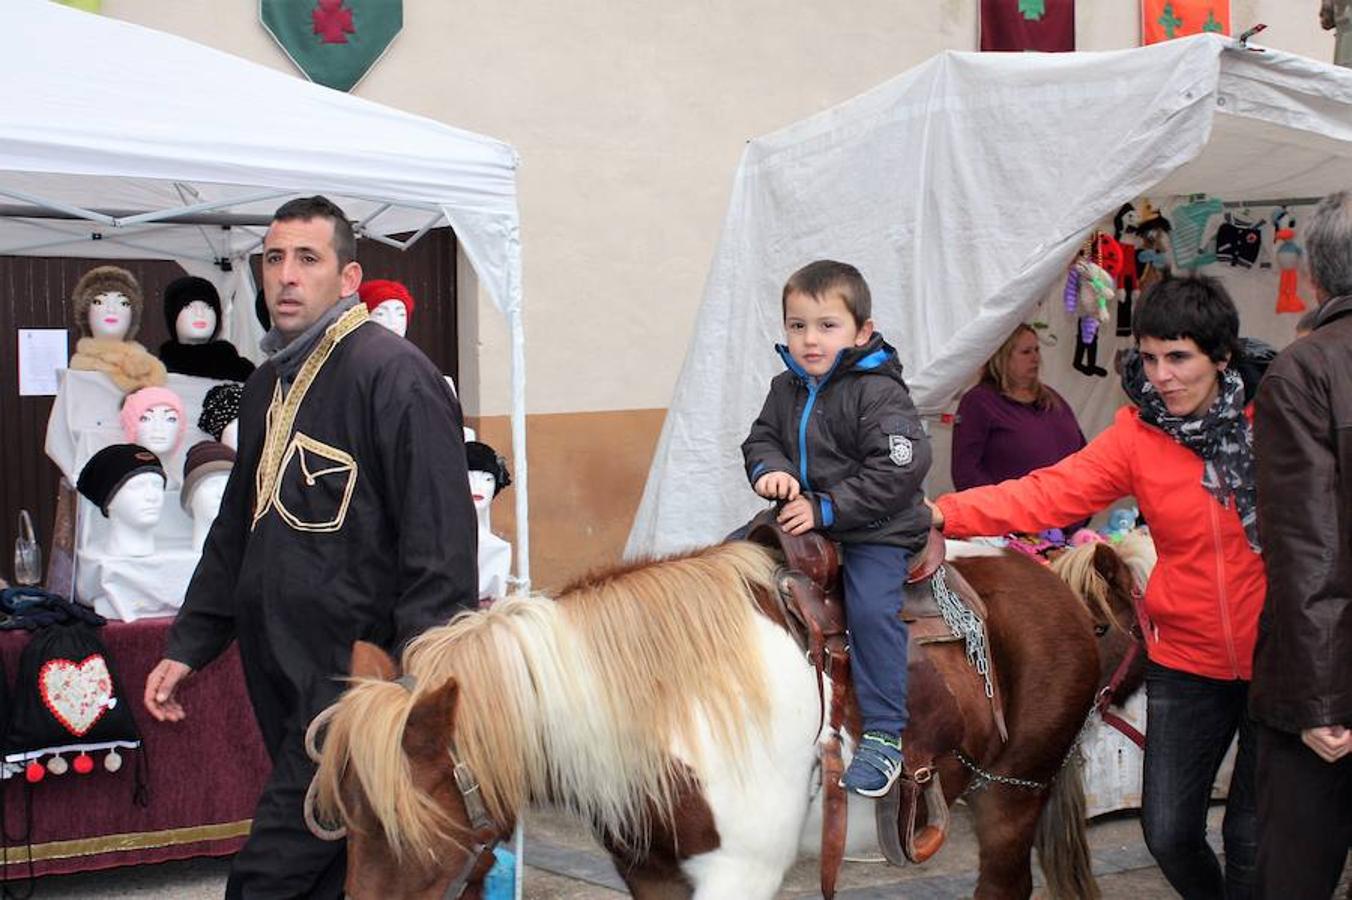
point(895, 818)
point(835, 821)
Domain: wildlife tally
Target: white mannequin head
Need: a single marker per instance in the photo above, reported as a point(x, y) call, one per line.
point(204, 504)
point(133, 513)
point(481, 486)
point(230, 434)
point(158, 429)
point(393, 315)
point(110, 315)
point(196, 323)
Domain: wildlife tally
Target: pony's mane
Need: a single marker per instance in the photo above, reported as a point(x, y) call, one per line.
point(579, 702)
point(1076, 567)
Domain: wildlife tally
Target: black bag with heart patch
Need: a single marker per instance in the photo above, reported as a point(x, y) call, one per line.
point(69, 708)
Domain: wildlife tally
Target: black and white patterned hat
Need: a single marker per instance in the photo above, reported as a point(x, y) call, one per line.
point(220, 407)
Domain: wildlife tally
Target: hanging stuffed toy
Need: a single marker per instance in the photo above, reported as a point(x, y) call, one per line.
point(1239, 241)
point(1128, 241)
point(1089, 287)
point(1153, 257)
point(1289, 255)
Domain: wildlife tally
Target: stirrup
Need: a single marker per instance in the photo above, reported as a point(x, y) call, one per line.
point(876, 752)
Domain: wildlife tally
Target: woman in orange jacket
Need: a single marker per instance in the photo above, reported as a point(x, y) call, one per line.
point(1186, 453)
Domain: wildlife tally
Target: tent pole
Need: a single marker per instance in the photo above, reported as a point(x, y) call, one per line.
point(519, 449)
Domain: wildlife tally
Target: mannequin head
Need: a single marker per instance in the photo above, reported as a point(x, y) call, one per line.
point(205, 472)
point(487, 476)
point(204, 506)
point(389, 303)
point(107, 304)
point(138, 502)
point(109, 471)
point(153, 418)
point(192, 310)
point(393, 315)
point(230, 434)
point(481, 489)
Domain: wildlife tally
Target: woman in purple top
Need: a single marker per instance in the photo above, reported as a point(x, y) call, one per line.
point(1011, 423)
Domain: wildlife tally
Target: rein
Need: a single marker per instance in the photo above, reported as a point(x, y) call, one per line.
point(1108, 695)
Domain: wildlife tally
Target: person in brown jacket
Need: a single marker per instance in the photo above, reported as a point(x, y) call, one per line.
point(1302, 675)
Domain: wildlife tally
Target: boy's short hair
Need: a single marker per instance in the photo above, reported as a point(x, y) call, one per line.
point(1196, 307)
point(817, 279)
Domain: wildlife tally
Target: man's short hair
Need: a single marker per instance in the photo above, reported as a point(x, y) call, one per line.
point(825, 276)
point(1328, 241)
point(321, 207)
point(1194, 306)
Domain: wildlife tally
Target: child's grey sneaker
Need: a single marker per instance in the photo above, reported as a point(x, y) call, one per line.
point(875, 767)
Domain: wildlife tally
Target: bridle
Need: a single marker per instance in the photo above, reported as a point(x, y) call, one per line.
point(484, 835)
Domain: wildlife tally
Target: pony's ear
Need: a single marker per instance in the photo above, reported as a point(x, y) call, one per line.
point(1107, 563)
point(369, 661)
point(430, 721)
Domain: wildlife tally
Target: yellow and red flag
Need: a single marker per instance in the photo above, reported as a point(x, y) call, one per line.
point(1163, 20)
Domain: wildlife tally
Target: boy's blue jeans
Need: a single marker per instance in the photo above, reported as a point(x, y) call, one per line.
point(874, 577)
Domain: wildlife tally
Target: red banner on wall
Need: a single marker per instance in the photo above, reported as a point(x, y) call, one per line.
point(1162, 20)
point(1028, 25)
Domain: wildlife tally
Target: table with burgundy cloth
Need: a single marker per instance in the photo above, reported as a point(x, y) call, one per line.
point(205, 773)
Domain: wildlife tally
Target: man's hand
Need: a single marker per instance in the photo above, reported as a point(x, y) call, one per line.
point(1331, 742)
point(161, 684)
point(777, 486)
point(796, 516)
point(936, 514)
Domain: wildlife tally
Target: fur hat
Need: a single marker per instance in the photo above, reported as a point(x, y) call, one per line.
point(101, 280)
point(133, 405)
point(374, 293)
point(220, 407)
point(483, 458)
point(185, 290)
point(105, 473)
point(204, 458)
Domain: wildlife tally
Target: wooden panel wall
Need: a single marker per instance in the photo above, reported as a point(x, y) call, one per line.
point(35, 292)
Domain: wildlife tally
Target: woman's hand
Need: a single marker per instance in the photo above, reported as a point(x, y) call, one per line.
point(936, 514)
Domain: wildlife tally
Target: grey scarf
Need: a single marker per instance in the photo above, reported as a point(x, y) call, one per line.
point(1222, 436)
point(288, 356)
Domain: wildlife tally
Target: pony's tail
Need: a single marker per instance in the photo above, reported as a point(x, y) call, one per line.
point(1062, 843)
point(365, 739)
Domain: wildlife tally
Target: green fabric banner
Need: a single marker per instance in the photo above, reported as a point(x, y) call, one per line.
point(86, 5)
point(334, 42)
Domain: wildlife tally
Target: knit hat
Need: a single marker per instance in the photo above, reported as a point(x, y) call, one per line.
point(373, 293)
point(133, 405)
point(185, 290)
point(261, 310)
point(220, 407)
point(483, 458)
point(204, 458)
point(101, 280)
point(105, 473)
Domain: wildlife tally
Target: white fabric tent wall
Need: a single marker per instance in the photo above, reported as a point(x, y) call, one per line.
point(121, 128)
point(962, 189)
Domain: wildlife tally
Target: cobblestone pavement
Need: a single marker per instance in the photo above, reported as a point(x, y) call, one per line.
point(563, 863)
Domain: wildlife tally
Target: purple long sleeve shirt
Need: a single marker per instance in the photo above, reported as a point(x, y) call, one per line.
point(996, 438)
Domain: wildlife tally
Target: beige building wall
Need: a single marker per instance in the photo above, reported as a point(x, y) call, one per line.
point(630, 118)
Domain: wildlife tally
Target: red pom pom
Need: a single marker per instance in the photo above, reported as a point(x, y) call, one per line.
point(35, 772)
point(84, 764)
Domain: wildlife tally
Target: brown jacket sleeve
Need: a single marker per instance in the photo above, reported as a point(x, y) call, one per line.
point(1303, 661)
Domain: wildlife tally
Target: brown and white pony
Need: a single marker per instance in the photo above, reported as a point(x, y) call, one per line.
point(679, 724)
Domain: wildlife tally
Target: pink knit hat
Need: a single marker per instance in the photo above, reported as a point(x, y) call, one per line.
point(137, 403)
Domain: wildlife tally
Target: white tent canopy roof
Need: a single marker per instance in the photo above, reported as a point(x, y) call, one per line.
point(962, 189)
point(105, 115)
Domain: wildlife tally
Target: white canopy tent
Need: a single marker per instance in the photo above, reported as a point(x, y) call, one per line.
point(962, 189)
point(121, 141)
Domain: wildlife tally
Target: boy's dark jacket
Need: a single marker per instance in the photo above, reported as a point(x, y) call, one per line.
point(854, 443)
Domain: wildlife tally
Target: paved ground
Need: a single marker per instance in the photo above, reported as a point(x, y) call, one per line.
point(564, 864)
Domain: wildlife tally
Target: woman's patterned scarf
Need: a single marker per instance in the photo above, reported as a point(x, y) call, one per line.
point(1222, 436)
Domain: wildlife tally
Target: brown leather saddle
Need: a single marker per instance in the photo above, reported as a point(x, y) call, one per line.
point(809, 605)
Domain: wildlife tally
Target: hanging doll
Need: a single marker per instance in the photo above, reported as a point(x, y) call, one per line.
point(1152, 259)
point(1289, 254)
point(1124, 232)
point(1089, 287)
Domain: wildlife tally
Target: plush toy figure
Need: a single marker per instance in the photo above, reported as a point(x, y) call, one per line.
point(107, 303)
point(192, 313)
point(1153, 257)
point(1124, 232)
point(1289, 255)
point(1093, 287)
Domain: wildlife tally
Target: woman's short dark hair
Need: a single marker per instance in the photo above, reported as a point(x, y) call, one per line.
point(1193, 306)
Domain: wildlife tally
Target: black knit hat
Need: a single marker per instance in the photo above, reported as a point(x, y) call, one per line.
point(220, 407)
point(483, 458)
point(185, 290)
point(261, 310)
point(105, 473)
